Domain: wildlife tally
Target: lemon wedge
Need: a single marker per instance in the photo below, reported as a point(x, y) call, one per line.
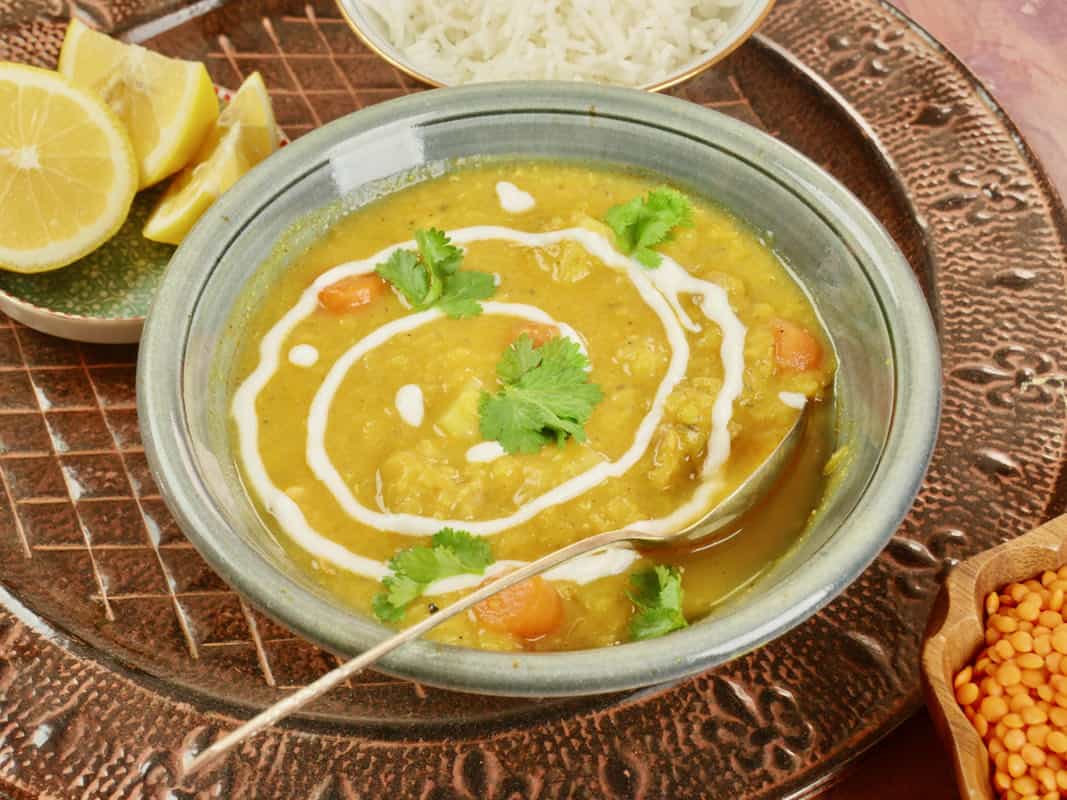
point(167, 105)
point(67, 171)
point(243, 136)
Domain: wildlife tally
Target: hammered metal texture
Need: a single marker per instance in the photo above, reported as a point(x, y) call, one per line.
point(121, 653)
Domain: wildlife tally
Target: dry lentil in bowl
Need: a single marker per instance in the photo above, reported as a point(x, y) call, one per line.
point(1015, 690)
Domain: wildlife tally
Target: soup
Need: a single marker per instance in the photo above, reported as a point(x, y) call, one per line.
point(483, 367)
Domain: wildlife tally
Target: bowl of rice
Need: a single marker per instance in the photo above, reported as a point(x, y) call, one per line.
point(618, 42)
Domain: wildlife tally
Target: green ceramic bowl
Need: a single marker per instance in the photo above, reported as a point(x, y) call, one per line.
point(888, 384)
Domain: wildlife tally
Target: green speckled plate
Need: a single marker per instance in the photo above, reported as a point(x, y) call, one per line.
point(104, 296)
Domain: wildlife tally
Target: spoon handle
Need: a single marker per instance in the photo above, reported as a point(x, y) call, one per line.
point(298, 699)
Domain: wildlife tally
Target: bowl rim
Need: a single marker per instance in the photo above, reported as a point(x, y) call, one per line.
point(735, 37)
point(900, 470)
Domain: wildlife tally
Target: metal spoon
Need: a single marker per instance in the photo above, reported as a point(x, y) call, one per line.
point(728, 509)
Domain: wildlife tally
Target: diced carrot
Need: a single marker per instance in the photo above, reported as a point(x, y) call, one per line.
point(530, 609)
point(538, 331)
point(351, 293)
point(795, 349)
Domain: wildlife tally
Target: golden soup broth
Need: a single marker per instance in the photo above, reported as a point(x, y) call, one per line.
point(389, 464)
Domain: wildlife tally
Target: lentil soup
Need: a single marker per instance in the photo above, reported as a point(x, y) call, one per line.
point(561, 350)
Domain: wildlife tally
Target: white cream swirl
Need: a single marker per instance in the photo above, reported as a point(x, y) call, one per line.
point(660, 289)
point(410, 405)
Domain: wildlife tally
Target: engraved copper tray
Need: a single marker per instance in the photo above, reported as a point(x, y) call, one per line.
point(121, 653)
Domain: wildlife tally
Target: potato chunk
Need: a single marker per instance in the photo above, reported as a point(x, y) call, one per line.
point(566, 262)
point(460, 419)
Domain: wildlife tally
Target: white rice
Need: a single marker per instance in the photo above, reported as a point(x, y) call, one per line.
point(627, 42)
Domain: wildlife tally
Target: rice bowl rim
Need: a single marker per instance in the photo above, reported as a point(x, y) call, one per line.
point(734, 38)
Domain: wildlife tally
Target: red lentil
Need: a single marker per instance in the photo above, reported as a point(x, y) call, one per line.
point(1015, 691)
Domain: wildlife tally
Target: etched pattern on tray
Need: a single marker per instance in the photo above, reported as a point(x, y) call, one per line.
point(86, 544)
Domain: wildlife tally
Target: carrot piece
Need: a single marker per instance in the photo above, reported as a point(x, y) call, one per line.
point(530, 609)
point(351, 293)
point(540, 332)
point(795, 349)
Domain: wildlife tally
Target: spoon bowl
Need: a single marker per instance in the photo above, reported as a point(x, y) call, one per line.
point(745, 495)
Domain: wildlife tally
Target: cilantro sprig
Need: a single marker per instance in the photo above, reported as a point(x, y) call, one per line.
point(657, 593)
point(647, 221)
point(451, 552)
point(545, 396)
point(431, 276)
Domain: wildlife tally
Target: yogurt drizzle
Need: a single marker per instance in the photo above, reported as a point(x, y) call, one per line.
point(659, 288)
point(409, 404)
point(303, 355)
point(485, 452)
point(513, 199)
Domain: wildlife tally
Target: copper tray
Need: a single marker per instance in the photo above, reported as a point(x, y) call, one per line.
point(121, 653)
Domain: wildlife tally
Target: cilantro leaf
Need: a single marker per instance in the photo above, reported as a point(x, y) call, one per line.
point(471, 552)
point(385, 610)
point(432, 276)
point(419, 564)
point(400, 590)
point(518, 359)
point(437, 251)
point(451, 552)
point(654, 622)
point(408, 275)
point(563, 353)
point(546, 396)
point(658, 597)
point(518, 426)
point(463, 290)
point(647, 221)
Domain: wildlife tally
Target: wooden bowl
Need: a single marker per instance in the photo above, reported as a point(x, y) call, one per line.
point(956, 632)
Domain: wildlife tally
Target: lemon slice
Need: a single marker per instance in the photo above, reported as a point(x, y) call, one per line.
point(244, 135)
point(67, 171)
point(167, 105)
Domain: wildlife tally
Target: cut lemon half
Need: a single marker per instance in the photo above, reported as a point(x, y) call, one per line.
point(243, 136)
point(167, 105)
point(67, 171)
